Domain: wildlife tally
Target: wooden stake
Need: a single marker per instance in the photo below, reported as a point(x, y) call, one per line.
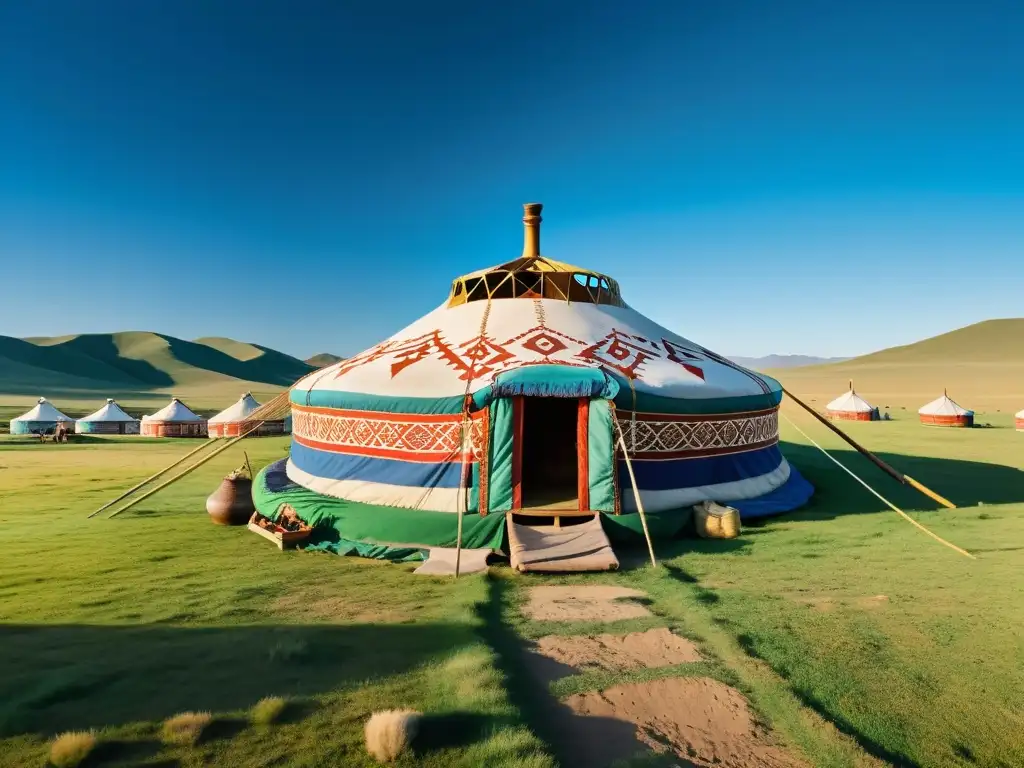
point(636, 495)
point(896, 475)
point(180, 475)
point(169, 467)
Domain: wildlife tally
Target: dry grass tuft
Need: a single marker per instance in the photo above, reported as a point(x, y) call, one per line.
point(268, 710)
point(70, 749)
point(390, 733)
point(186, 728)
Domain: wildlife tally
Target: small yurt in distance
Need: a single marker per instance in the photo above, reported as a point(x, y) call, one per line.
point(943, 412)
point(174, 420)
point(42, 419)
point(852, 407)
point(1018, 421)
point(231, 421)
point(108, 420)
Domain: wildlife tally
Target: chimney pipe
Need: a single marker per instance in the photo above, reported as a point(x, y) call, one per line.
point(531, 229)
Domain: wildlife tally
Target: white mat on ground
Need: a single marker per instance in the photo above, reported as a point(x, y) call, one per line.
point(580, 547)
point(441, 561)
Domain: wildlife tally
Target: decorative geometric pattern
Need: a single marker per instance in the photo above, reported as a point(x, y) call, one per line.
point(397, 436)
point(656, 436)
point(483, 356)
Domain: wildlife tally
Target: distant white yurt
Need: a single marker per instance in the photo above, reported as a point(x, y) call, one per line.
point(1018, 421)
point(852, 407)
point(174, 420)
point(943, 412)
point(108, 420)
point(231, 421)
point(42, 419)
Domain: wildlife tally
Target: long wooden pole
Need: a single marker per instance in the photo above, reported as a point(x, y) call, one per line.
point(180, 475)
point(149, 479)
point(899, 476)
point(636, 495)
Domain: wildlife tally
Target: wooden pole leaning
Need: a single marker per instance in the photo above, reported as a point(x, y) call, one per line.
point(151, 478)
point(636, 494)
point(181, 474)
point(895, 474)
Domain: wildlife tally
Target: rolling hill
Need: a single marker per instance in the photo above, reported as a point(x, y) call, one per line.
point(141, 365)
point(782, 361)
point(981, 365)
point(323, 360)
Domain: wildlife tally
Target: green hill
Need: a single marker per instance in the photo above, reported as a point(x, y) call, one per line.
point(981, 366)
point(323, 360)
point(141, 365)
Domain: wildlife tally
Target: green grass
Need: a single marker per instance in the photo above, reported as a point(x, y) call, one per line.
point(117, 625)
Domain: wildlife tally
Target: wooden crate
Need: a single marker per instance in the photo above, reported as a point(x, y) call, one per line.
point(284, 539)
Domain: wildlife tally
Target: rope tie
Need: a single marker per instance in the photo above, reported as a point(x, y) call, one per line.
point(884, 500)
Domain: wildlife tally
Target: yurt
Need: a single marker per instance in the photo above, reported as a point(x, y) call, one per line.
point(174, 420)
point(42, 419)
point(943, 412)
point(525, 392)
point(108, 420)
point(231, 421)
point(851, 407)
point(1018, 421)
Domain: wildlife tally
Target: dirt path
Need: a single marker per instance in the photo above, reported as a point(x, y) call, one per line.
point(693, 721)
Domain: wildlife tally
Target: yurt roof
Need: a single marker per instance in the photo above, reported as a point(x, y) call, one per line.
point(43, 411)
point(943, 406)
point(240, 410)
point(851, 402)
point(109, 412)
point(480, 340)
point(1019, 415)
point(174, 411)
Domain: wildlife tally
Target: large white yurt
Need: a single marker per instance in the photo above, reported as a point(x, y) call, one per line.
point(174, 420)
point(231, 421)
point(852, 407)
point(1018, 421)
point(42, 419)
point(108, 420)
point(943, 412)
point(517, 395)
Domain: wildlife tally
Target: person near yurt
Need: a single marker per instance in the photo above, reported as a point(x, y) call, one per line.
point(108, 420)
point(943, 412)
point(43, 419)
point(852, 407)
point(517, 395)
point(173, 420)
point(232, 421)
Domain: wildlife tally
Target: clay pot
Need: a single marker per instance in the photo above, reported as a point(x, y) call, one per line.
point(231, 503)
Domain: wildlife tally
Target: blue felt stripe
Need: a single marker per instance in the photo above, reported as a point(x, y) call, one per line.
point(792, 494)
point(340, 466)
point(693, 473)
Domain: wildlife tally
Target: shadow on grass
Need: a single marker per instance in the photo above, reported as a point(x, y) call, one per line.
point(748, 643)
point(72, 677)
point(965, 483)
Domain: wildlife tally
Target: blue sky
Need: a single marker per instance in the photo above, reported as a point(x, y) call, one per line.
point(786, 177)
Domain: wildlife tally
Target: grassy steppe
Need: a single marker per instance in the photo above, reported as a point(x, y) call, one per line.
point(839, 613)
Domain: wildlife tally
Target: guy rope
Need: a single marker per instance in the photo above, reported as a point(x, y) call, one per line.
point(884, 500)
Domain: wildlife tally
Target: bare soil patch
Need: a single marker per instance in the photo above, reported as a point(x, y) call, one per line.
point(596, 603)
point(701, 720)
point(635, 650)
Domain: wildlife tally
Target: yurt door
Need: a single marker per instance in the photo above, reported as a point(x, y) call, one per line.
point(549, 453)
